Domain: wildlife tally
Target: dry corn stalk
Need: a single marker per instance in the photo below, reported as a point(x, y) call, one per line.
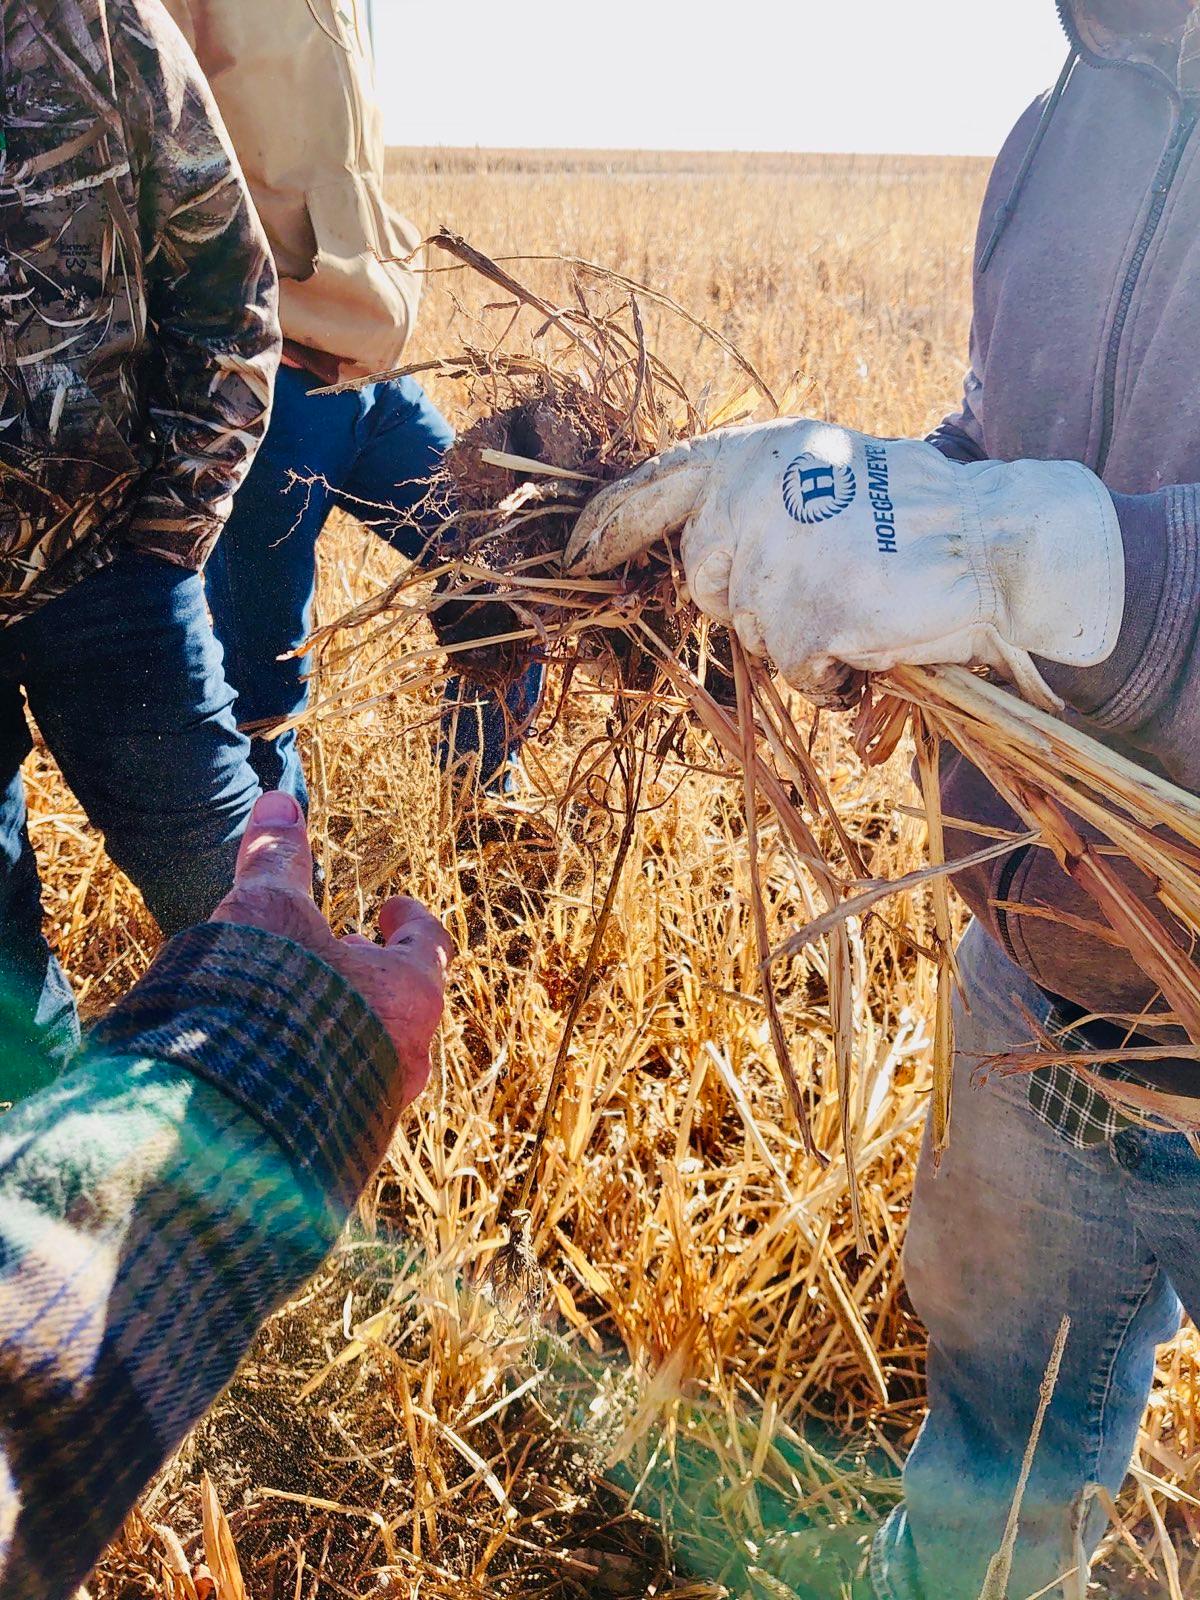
point(579, 402)
point(927, 744)
point(999, 1572)
point(1054, 775)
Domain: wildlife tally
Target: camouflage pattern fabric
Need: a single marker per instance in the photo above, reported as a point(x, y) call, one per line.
point(138, 304)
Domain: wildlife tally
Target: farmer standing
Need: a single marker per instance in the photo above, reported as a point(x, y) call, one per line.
point(293, 80)
point(139, 343)
point(1050, 530)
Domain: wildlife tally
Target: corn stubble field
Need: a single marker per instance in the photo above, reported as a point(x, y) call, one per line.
point(715, 1368)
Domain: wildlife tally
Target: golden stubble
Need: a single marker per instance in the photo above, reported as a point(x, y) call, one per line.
point(707, 1313)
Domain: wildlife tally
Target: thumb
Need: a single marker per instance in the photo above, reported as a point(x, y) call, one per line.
point(406, 923)
point(638, 511)
point(275, 851)
point(826, 682)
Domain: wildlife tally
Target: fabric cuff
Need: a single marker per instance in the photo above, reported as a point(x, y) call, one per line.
point(956, 444)
point(282, 1034)
point(1160, 533)
point(164, 530)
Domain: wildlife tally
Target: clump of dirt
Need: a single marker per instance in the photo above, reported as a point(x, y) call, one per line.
point(515, 524)
point(547, 426)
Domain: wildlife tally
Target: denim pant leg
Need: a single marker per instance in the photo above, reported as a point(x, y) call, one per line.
point(1015, 1230)
point(38, 1023)
point(124, 676)
point(404, 438)
point(1160, 1173)
point(478, 722)
point(262, 575)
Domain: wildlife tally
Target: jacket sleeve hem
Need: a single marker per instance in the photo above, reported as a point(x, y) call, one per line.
point(189, 550)
point(955, 443)
point(1161, 535)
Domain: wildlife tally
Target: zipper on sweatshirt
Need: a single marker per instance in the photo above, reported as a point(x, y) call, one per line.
point(1182, 127)
point(1183, 123)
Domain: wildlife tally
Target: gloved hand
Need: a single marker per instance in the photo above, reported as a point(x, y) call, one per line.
point(833, 552)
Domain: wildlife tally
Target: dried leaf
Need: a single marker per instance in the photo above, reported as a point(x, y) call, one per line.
point(219, 1549)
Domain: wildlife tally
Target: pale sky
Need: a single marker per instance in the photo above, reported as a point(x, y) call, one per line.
point(863, 75)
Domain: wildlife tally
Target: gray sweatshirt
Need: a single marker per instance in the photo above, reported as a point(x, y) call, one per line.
point(1086, 346)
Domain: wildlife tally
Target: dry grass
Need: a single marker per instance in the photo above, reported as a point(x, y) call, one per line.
point(716, 1362)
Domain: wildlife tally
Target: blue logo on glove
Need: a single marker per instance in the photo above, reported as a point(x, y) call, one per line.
point(814, 491)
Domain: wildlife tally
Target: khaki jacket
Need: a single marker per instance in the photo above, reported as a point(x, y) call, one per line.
point(293, 80)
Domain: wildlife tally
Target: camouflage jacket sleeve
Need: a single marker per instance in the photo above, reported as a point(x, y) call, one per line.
point(212, 302)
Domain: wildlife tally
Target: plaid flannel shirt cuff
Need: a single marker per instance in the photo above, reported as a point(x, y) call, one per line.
point(282, 1034)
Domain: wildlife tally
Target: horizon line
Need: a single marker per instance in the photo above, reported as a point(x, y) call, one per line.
point(696, 150)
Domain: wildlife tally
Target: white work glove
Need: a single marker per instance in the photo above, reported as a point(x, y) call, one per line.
point(830, 551)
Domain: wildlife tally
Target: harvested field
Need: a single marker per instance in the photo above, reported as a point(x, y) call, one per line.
point(715, 1368)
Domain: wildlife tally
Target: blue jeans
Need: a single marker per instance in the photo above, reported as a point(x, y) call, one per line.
point(123, 676)
point(370, 451)
point(1016, 1229)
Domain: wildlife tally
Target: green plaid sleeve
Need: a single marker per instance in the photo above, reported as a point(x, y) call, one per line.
point(155, 1205)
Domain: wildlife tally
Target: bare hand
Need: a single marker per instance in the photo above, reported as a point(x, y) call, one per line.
point(403, 980)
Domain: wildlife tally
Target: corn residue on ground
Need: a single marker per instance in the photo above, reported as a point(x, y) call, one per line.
point(715, 1372)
